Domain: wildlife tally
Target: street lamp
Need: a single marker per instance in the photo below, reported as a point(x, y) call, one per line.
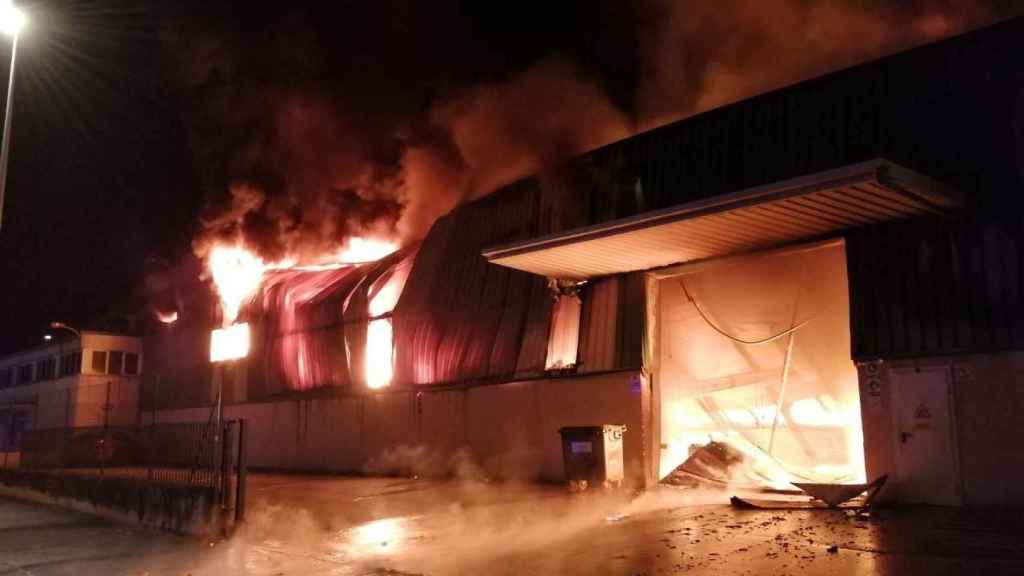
point(63, 326)
point(12, 21)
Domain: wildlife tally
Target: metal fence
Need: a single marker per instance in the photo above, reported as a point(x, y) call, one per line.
point(194, 454)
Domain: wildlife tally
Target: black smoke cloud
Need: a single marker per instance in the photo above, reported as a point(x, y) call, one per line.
point(320, 123)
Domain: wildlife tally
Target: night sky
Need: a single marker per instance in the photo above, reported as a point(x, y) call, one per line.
point(133, 120)
point(100, 176)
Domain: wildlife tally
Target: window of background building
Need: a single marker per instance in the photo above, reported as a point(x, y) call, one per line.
point(25, 374)
point(131, 364)
point(115, 362)
point(5, 377)
point(46, 369)
point(71, 363)
point(99, 361)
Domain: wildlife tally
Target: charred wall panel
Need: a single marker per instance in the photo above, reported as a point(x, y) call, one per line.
point(928, 288)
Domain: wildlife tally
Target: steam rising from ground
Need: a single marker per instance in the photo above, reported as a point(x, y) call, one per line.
point(451, 527)
point(313, 128)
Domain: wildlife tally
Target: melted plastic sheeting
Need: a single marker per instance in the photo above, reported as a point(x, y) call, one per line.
point(789, 403)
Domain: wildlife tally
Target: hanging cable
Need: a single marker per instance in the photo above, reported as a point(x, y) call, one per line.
point(786, 364)
point(715, 327)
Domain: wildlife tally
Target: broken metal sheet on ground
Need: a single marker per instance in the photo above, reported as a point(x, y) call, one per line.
point(714, 465)
point(791, 504)
point(832, 494)
point(825, 496)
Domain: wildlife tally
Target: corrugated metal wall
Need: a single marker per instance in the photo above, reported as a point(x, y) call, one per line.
point(927, 288)
point(612, 324)
point(461, 318)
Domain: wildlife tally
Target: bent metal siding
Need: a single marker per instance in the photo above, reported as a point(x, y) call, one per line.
point(460, 318)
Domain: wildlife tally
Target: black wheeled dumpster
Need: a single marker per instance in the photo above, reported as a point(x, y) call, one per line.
point(592, 455)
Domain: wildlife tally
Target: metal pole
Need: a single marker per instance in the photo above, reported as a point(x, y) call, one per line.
point(243, 465)
point(5, 145)
point(220, 394)
point(106, 430)
point(218, 435)
point(106, 409)
point(225, 468)
point(156, 396)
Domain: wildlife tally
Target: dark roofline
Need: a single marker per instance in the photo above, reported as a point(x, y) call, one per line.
point(965, 38)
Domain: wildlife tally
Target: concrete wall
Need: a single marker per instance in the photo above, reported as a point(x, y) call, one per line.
point(988, 405)
point(83, 400)
point(503, 431)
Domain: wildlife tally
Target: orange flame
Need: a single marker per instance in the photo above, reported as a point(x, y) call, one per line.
point(380, 355)
point(236, 273)
point(365, 250)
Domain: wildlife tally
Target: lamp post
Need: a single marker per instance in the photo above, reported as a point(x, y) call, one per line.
point(12, 21)
point(227, 346)
point(63, 326)
point(49, 337)
point(57, 326)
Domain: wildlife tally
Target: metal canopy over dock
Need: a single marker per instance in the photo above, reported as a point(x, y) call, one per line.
point(809, 207)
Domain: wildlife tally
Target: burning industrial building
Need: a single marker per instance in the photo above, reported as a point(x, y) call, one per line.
point(820, 281)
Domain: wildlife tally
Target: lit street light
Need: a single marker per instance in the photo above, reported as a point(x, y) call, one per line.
point(63, 326)
point(12, 21)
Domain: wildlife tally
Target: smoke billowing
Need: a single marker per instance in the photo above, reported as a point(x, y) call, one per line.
point(318, 124)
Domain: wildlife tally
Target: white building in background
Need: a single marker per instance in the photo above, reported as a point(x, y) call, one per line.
point(91, 380)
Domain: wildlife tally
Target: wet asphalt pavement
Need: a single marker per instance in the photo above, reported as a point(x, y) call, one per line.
point(365, 526)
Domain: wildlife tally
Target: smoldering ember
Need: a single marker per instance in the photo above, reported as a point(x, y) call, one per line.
point(434, 288)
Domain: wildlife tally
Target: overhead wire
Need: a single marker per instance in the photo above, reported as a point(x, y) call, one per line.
point(709, 322)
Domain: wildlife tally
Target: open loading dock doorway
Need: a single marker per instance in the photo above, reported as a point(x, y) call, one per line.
point(754, 370)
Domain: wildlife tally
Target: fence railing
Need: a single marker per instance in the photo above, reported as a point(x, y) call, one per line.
point(196, 454)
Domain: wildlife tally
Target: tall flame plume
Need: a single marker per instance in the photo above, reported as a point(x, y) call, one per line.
point(237, 274)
